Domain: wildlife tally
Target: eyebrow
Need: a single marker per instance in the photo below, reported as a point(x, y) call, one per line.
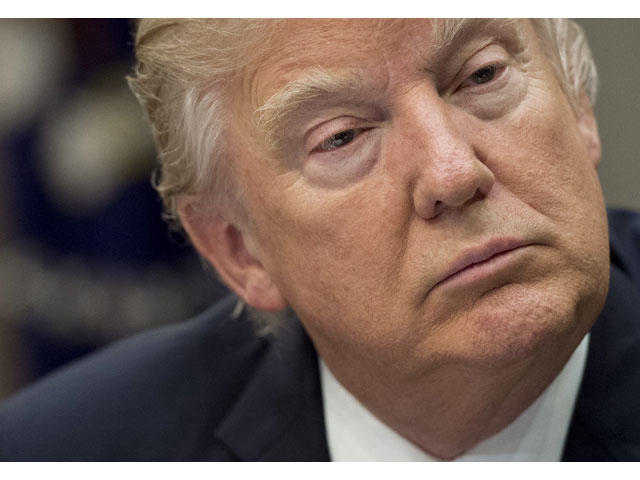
point(312, 87)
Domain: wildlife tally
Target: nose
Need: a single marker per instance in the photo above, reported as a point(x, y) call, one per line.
point(448, 172)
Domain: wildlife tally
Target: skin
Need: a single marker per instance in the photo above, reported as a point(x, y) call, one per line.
point(444, 161)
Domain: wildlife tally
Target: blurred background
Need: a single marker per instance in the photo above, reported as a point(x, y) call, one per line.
point(614, 43)
point(85, 257)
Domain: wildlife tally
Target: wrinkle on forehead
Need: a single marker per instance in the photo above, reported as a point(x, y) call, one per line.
point(446, 29)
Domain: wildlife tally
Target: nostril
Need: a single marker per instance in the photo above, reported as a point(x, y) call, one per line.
point(437, 208)
point(480, 194)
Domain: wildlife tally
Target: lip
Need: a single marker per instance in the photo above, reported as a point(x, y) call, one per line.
point(472, 258)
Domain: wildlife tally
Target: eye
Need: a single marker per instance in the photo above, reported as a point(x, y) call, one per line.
point(482, 76)
point(338, 140)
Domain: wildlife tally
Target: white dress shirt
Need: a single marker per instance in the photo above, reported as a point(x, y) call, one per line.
point(538, 434)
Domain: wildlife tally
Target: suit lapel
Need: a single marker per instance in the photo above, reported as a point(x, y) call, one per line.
point(279, 416)
point(607, 413)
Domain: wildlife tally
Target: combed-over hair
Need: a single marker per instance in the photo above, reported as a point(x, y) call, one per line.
point(184, 71)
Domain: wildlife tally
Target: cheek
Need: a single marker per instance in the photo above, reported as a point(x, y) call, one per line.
point(548, 167)
point(326, 248)
point(541, 156)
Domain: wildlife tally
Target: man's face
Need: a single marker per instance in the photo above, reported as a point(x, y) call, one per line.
point(404, 163)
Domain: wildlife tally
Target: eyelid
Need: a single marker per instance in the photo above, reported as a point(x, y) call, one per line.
point(500, 71)
point(357, 133)
point(492, 54)
point(332, 127)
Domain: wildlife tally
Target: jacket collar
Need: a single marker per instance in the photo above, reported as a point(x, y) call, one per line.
point(279, 415)
point(605, 419)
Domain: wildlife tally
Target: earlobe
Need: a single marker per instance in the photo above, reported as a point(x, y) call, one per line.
point(589, 128)
point(223, 245)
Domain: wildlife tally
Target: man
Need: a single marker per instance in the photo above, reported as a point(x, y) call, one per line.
point(423, 195)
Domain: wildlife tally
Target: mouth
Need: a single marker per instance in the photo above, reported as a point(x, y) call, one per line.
point(477, 263)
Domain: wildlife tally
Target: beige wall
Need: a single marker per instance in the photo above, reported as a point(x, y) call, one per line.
point(616, 47)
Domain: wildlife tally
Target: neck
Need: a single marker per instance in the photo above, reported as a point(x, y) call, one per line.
point(452, 409)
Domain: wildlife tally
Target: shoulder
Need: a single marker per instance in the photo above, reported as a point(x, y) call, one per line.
point(116, 403)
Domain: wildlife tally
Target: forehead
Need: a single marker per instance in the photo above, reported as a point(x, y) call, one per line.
point(334, 44)
point(308, 39)
point(379, 47)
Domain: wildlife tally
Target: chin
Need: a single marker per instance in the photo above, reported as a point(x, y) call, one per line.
point(518, 324)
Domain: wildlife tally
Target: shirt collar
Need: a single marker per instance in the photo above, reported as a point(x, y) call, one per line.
point(538, 434)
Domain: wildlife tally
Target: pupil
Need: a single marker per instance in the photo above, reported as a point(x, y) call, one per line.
point(485, 74)
point(342, 138)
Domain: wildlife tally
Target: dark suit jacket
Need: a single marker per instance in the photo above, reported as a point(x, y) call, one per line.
point(210, 389)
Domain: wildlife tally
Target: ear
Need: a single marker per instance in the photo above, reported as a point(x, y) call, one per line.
point(224, 246)
point(589, 128)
